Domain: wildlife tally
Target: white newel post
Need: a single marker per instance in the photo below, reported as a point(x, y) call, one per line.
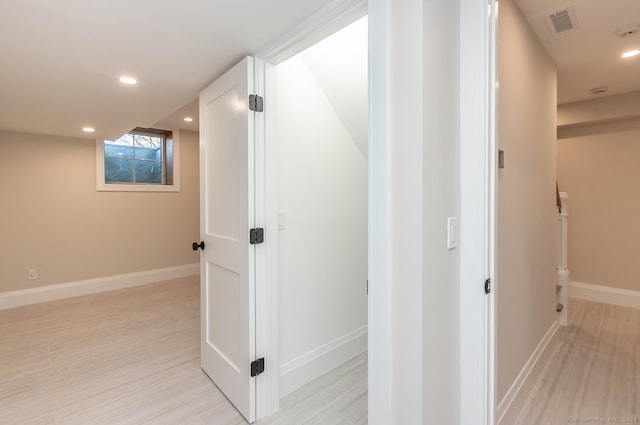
point(563, 271)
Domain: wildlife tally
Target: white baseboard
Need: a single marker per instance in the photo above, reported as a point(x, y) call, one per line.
point(309, 366)
point(512, 403)
point(605, 294)
point(92, 286)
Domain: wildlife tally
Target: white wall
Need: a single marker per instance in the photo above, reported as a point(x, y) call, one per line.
point(405, 205)
point(527, 212)
point(323, 248)
point(414, 156)
point(427, 114)
point(339, 65)
point(441, 180)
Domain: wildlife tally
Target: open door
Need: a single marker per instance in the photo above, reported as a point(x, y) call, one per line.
point(227, 263)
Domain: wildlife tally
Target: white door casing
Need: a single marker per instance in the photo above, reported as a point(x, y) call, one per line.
point(478, 60)
point(326, 21)
point(227, 263)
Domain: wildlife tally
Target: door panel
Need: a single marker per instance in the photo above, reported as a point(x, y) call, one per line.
point(226, 185)
point(226, 214)
point(223, 294)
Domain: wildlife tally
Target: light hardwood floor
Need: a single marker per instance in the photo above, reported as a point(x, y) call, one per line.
point(132, 357)
point(593, 375)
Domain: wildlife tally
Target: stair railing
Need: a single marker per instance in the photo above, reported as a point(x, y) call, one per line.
point(562, 289)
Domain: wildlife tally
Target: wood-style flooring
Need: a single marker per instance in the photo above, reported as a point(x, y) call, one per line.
point(593, 375)
point(132, 357)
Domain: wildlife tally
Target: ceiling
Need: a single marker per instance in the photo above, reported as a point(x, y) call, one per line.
point(61, 60)
point(589, 55)
point(339, 66)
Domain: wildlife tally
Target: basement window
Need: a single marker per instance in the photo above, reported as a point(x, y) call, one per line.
point(145, 159)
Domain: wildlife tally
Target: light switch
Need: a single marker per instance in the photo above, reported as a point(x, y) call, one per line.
point(452, 232)
point(281, 215)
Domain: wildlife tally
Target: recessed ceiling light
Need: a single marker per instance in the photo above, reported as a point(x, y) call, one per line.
point(631, 53)
point(188, 119)
point(88, 129)
point(128, 80)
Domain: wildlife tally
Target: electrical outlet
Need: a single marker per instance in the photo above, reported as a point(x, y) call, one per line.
point(33, 274)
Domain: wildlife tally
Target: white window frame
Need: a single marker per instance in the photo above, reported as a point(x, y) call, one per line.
point(102, 186)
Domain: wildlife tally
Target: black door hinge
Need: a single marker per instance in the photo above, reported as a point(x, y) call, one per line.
point(257, 367)
point(256, 236)
point(256, 103)
point(487, 286)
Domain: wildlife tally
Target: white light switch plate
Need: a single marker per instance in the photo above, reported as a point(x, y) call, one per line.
point(452, 232)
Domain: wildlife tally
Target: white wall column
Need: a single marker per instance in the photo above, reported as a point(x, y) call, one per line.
point(395, 199)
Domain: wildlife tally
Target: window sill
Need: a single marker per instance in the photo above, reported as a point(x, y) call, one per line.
point(108, 187)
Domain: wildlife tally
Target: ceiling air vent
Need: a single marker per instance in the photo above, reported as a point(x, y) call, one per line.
point(628, 31)
point(562, 21)
point(599, 90)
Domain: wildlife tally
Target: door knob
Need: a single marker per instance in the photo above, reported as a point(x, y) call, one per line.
point(197, 245)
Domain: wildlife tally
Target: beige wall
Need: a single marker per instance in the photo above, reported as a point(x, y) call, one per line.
point(598, 168)
point(52, 218)
point(600, 110)
point(527, 213)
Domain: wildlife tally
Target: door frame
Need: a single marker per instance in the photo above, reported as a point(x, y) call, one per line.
point(478, 144)
point(334, 16)
point(477, 205)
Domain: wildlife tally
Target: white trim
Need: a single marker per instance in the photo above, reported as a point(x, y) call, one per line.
point(101, 186)
point(255, 255)
point(379, 219)
point(332, 17)
point(512, 403)
point(93, 286)
point(267, 340)
point(477, 212)
point(269, 394)
point(492, 207)
point(309, 366)
point(605, 294)
point(336, 15)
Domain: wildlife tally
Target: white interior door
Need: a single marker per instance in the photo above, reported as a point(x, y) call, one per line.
point(227, 263)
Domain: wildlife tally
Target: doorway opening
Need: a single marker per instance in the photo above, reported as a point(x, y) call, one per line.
point(321, 142)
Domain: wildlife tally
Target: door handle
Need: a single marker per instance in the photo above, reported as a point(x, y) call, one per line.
point(197, 245)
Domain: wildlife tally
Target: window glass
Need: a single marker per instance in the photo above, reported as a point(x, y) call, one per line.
point(135, 158)
point(143, 160)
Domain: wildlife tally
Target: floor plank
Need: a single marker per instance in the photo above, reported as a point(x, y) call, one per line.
point(593, 375)
point(131, 357)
